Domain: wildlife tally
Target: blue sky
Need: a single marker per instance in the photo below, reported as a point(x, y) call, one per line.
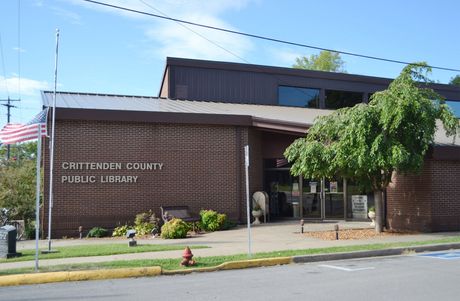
point(109, 51)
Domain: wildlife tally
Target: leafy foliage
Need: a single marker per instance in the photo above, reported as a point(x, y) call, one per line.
point(17, 188)
point(367, 142)
point(175, 228)
point(97, 232)
point(455, 80)
point(121, 230)
point(19, 152)
point(211, 220)
point(146, 222)
point(325, 61)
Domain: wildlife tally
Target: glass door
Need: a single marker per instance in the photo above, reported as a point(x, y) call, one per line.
point(311, 198)
point(333, 199)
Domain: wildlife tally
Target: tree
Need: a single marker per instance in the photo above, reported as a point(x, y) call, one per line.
point(19, 152)
point(18, 179)
point(325, 61)
point(368, 142)
point(455, 80)
point(17, 189)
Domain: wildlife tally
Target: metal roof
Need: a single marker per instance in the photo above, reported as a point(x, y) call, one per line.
point(279, 114)
point(260, 113)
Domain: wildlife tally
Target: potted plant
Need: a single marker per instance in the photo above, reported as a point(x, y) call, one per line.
point(256, 213)
point(371, 214)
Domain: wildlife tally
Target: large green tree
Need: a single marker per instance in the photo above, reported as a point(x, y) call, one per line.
point(324, 61)
point(368, 142)
point(455, 80)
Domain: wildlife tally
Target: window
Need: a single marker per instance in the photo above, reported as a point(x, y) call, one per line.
point(340, 99)
point(298, 97)
point(455, 106)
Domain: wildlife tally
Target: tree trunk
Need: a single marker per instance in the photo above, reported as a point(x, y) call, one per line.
point(378, 203)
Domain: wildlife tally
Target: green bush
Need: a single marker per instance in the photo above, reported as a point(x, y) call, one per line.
point(175, 228)
point(97, 232)
point(29, 231)
point(121, 230)
point(146, 222)
point(212, 221)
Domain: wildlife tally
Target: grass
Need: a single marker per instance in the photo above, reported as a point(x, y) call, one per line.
point(174, 264)
point(95, 250)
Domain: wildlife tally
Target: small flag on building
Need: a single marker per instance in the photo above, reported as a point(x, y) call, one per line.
point(17, 132)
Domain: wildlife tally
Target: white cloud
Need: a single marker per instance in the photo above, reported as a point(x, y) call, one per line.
point(21, 50)
point(180, 41)
point(27, 86)
point(284, 56)
point(171, 39)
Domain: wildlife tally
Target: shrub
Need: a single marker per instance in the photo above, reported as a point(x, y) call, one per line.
point(211, 220)
point(97, 232)
point(175, 228)
point(146, 222)
point(29, 231)
point(120, 230)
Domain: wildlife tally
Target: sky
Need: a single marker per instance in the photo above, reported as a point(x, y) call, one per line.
point(104, 50)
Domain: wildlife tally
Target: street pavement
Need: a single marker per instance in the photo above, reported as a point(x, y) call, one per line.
point(413, 277)
point(264, 238)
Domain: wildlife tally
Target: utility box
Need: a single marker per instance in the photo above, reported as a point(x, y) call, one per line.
point(8, 242)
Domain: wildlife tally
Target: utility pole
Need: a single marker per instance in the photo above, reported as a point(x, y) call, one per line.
point(8, 106)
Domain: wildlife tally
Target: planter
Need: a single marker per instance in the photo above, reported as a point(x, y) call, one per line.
point(256, 214)
point(371, 215)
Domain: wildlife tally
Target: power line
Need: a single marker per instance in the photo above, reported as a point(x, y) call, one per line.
point(197, 33)
point(265, 38)
point(216, 44)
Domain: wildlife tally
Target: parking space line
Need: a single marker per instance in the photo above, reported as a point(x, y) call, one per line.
point(345, 269)
point(442, 255)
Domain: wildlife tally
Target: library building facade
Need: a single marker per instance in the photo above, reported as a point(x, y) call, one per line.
point(119, 155)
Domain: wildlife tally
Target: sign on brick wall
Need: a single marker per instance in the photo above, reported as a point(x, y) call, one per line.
point(108, 167)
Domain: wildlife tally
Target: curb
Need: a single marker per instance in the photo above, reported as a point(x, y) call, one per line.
point(374, 253)
point(41, 278)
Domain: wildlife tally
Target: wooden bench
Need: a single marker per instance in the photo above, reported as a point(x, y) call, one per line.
point(182, 212)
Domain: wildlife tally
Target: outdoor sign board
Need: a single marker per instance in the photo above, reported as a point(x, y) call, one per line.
point(359, 206)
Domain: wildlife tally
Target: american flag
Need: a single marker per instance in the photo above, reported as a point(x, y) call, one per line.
point(17, 132)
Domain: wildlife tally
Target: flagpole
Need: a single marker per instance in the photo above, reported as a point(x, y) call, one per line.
point(53, 121)
point(37, 194)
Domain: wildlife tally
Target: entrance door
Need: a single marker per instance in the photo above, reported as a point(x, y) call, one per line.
point(333, 194)
point(302, 198)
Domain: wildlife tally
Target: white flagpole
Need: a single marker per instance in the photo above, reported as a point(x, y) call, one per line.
point(53, 121)
point(37, 194)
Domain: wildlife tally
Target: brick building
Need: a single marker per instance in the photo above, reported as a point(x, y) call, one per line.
point(117, 155)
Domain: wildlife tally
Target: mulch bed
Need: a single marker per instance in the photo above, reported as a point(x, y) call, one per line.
point(347, 234)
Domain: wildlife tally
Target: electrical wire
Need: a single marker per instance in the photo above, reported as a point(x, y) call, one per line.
point(265, 38)
point(197, 33)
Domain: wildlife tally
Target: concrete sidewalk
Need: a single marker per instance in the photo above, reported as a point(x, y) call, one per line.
point(265, 238)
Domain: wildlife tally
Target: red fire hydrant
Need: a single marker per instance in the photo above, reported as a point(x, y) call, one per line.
point(187, 261)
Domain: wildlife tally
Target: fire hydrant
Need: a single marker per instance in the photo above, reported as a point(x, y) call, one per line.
point(187, 261)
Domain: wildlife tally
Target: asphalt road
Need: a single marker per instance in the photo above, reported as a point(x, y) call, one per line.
point(411, 277)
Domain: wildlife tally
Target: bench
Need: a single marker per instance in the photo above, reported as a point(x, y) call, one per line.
point(182, 212)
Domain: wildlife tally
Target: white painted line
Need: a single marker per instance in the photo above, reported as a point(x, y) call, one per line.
point(345, 269)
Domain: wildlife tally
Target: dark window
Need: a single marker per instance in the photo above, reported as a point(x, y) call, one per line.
point(298, 97)
point(455, 106)
point(341, 99)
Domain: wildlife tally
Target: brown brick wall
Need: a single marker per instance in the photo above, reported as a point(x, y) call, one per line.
point(426, 202)
point(203, 168)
